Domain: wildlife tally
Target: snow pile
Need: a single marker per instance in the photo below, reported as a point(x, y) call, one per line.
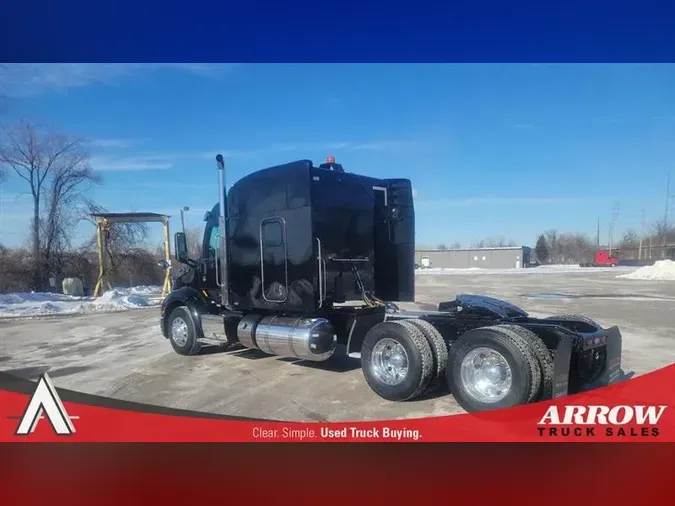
point(663, 270)
point(141, 290)
point(114, 300)
point(27, 305)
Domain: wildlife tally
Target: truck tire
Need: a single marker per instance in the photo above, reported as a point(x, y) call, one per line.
point(439, 350)
point(514, 364)
point(396, 360)
point(544, 357)
point(182, 332)
point(574, 317)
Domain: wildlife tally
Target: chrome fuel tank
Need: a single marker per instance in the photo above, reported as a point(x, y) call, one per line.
point(305, 338)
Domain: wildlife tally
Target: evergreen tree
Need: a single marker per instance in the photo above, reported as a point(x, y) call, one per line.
point(541, 249)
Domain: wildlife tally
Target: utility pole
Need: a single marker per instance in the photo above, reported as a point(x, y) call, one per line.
point(598, 239)
point(665, 217)
point(668, 197)
point(644, 231)
point(615, 216)
point(182, 218)
point(650, 245)
point(664, 226)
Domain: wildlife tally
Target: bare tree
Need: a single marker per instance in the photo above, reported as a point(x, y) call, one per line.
point(66, 203)
point(56, 168)
point(494, 242)
point(193, 236)
point(123, 239)
point(631, 239)
point(551, 237)
point(663, 230)
point(566, 248)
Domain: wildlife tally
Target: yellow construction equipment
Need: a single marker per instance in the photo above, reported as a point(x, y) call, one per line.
point(103, 222)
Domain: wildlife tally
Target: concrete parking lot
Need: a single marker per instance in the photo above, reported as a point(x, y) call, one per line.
point(123, 355)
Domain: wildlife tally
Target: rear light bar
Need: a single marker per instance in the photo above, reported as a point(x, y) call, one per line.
point(595, 342)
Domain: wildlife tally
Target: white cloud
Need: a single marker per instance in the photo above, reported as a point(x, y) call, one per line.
point(16, 211)
point(175, 185)
point(109, 163)
point(303, 146)
point(27, 79)
point(136, 163)
point(12, 218)
point(499, 201)
point(195, 212)
point(382, 145)
point(9, 198)
point(309, 147)
point(345, 145)
point(229, 153)
point(112, 143)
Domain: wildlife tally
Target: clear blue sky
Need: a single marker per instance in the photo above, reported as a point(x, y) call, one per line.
point(492, 150)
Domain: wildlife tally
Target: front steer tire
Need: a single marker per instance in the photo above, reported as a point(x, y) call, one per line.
point(521, 359)
point(182, 332)
point(420, 362)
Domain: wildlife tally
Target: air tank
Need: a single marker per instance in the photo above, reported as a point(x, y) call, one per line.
point(311, 339)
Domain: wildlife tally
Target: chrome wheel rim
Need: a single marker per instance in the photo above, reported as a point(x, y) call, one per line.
point(486, 375)
point(179, 332)
point(389, 362)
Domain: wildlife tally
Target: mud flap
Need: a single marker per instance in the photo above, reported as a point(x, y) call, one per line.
point(563, 355)
point(612, 371)
point(561, 366)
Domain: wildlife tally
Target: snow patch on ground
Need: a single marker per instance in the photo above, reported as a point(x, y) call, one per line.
point(29, 305)
point(662, 270)
point(544, 269)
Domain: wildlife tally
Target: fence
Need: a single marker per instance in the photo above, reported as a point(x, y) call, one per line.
point(647, 253)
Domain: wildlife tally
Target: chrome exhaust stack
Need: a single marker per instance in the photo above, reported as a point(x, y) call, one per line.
point(222, 223)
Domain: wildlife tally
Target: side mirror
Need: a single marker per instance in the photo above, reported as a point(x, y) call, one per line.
point(180, 245)
point(164, 264)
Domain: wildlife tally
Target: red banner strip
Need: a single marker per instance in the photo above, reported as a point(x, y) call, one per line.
point(634, 410)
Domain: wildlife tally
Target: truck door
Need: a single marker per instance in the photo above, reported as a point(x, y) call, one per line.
point(211, 245)
point(394, 238)
point(273, 259)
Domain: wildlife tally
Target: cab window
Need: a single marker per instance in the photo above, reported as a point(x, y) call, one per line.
point(214, 240)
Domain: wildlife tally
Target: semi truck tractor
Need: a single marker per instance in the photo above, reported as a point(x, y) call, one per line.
point(309, 261)
point(601, 258)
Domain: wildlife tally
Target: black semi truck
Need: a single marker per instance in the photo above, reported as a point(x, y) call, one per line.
point(308, 261)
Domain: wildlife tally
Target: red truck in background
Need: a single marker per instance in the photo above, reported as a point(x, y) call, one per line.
point(601, 258)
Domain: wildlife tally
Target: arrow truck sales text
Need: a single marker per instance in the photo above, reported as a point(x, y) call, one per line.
point(593, 420)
